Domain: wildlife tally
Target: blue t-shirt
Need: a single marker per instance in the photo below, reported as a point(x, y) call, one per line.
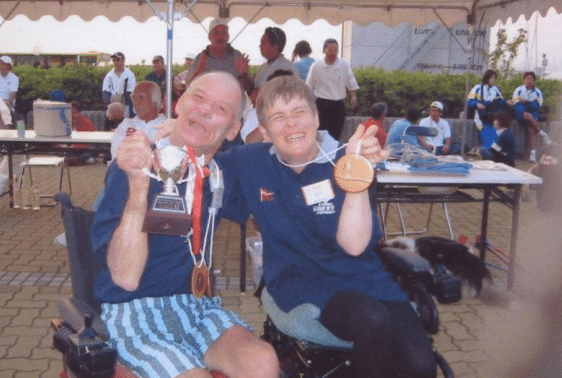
point(303, 66)
point(396, 133)
point(169, 264)
point(303, 262)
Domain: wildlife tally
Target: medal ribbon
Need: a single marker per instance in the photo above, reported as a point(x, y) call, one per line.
point(196, 212)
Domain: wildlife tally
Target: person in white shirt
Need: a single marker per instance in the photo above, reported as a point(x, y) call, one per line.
point(441, 143)
point(331, 80)
point(146, 98)
point(9, 83)
point(119, 83)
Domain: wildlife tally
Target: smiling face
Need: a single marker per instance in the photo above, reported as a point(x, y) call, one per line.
point(292, 128)
point(208, 112)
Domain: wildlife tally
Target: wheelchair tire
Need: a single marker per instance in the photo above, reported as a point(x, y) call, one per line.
point(444, 366)
point(425, 307)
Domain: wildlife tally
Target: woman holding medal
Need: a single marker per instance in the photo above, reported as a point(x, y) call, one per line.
point(319, 240)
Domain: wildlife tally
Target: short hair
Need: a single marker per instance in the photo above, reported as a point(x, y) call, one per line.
point(488, 75)
point(227, 76)
point(276, 37)
point(503, 117)
point(412, 114)
point(116, 108)
point(279, 73)
point(155, 92)
point(302, 48)
point(529, 73)
point(284, 88)
point(378, 110)
point(329, 41)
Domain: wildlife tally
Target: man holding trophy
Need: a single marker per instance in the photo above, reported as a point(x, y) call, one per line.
point(153, 231)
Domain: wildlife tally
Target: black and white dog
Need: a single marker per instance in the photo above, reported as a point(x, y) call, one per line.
point(455, 256)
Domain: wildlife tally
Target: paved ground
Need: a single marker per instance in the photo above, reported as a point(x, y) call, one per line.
point(493, 336)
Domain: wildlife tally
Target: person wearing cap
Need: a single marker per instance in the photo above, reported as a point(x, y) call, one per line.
point(118, 83)
point(221, 56)
point(441, 143)
point(272, 44)
point(158, 74)
point(9, 82)
point(184, 75)
point(332, 79)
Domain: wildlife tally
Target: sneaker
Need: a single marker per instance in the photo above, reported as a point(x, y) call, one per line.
point(90, 160)
point(533, 156)
point(545, 138)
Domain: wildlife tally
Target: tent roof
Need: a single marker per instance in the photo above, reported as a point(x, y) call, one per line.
point(390, 12)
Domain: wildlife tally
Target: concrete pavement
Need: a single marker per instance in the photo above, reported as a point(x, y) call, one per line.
point(479, 337)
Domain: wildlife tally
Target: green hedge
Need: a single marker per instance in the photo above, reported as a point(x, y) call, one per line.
point(398, 89)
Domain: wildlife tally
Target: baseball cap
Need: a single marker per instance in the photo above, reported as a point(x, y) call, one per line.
point(437, 104)
point(218, 21)
point(6, 59)
point(118, 54)
point(157, 57)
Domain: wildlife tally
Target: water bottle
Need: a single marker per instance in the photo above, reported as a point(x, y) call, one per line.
point(17, 193)
point(20, 126)
point(35, 199)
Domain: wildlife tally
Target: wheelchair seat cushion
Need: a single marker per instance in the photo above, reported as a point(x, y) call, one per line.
point(301, 323)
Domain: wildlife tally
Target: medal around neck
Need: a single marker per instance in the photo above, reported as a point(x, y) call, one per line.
point(353, 173)
point(200, 281)
point(169, 214)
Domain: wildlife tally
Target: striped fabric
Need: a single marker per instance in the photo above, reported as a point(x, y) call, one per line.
point(163, 337)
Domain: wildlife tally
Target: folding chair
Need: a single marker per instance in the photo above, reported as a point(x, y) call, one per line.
point(431, 193)
point(46, 162)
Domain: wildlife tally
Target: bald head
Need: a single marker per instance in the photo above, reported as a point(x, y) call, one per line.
point(208, 113)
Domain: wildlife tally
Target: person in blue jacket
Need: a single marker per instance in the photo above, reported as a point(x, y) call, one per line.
point(503, 149)
point(527, 101)
point(485, 98)
point(319, 241)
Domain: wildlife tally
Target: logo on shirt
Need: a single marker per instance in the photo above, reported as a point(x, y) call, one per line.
point(266, 195)
point(324, 208)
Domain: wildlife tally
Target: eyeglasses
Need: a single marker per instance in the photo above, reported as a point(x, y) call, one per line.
point(116, 59)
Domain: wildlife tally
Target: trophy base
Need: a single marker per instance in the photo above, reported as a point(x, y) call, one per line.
point(168, 216)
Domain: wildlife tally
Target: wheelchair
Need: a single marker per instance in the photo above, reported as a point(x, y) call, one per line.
point(306, 349)
point(81, 335)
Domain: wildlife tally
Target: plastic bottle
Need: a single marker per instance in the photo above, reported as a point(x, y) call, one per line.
point(35, 199)
point(17, 193)
point(24, 195)
point(20, 126)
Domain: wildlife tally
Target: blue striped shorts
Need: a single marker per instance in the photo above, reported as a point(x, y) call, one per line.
point(163, 337)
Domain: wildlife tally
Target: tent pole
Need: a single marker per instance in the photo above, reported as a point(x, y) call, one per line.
point(169, 57)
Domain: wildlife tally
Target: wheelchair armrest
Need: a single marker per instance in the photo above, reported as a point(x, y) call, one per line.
point(74, 312)
point(403, 261)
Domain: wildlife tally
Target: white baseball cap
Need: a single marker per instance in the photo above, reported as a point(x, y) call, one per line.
point(218, 21)
point(437, 104)
point(6, 59)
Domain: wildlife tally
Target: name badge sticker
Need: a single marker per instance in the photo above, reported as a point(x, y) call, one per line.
point(319, 192)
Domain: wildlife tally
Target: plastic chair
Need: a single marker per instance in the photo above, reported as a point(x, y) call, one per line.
point(80, 314)
point(46, 162)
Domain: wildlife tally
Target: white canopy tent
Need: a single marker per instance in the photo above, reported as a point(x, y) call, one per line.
point(363, 12)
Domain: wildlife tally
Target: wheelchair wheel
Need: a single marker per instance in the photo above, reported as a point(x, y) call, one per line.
point(444, 366)
point(425, 306)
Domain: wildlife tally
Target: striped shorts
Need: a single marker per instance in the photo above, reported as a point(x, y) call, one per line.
point(163, 337)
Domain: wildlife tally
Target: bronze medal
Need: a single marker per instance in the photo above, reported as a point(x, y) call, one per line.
point(200, 284)
point(353, 173)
